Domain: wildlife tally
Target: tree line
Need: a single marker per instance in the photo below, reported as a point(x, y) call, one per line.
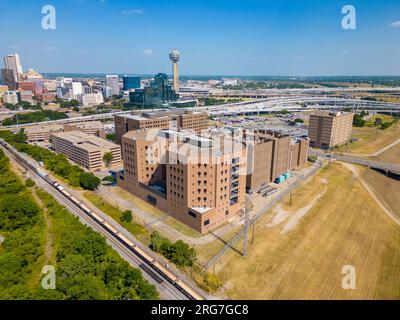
point(37, 116)
point(86, 267)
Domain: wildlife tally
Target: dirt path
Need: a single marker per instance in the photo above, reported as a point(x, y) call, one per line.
point(48, 244)
point(298, 215)
point(48, 248)
point(388, 212)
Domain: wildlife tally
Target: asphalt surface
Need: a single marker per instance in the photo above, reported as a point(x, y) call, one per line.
point(394, 168)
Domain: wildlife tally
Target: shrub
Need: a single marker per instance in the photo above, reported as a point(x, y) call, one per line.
point(126, 216)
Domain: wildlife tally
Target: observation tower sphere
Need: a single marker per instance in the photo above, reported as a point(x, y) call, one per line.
point(174, 55)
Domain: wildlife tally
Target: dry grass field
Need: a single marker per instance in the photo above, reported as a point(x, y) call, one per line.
point(390, 156)
point(340, 225)
point(371, 139)
point(387, 189)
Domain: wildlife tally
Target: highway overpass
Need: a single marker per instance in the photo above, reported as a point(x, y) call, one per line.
point(387, 167)
point(273, 104)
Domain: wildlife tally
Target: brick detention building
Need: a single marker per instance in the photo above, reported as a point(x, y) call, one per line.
point(201, 180)
point(171, 119)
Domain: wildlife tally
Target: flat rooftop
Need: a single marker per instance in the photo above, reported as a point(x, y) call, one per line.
point(59, 127)
point(329, 113)
point(86, 141)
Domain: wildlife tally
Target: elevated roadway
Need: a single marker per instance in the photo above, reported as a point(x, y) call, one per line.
point(273, 104)
point(387, 167)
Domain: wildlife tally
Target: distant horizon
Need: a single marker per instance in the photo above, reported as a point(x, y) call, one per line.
point(225, 75)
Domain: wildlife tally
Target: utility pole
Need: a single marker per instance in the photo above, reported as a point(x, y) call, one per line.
point(246, 231)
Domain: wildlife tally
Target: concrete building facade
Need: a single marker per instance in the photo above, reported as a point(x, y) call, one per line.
point(42, 133)
point(86, 150)
point(330, 129)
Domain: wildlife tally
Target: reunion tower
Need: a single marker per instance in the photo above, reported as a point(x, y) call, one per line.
point(174, 56)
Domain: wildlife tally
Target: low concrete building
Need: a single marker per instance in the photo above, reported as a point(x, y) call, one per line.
point(10, 97)
point(86, 150)
point(42, 133)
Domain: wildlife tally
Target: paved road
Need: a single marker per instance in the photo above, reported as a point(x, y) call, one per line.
point(389, 167)
point(167, 290)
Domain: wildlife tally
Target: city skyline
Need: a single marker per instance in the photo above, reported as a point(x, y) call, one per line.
point(260, 38)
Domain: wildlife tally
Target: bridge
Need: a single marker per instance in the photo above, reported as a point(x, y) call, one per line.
point(387, 167)
point(265, 93)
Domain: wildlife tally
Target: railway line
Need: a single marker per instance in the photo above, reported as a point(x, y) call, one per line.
point(169, 284)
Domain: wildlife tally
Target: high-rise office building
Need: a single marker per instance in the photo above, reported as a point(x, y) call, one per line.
point(159, 91)
point(131, 82)
point(329, 129)
point(106, 91)
point(112, 82)
point(13, 62)
point(7, 78)
point(174, 56)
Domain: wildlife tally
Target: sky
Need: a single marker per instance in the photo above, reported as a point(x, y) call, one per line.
point(219, 37)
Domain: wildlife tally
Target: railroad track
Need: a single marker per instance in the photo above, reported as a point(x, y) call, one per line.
point(168, 284)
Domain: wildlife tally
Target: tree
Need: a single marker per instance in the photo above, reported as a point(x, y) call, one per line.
point(111, 136)
point(378, 122)
point(107, 158)
point(298, 120)
point(386, 125)
point(358, 121)
point(126, 216)
point(20, 137)
point(89, 181)
point(29, 183)
point(181, 254)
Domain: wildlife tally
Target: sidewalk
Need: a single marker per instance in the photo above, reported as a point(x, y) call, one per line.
point(157, 222)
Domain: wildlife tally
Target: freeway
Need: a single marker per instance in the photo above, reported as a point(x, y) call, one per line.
point(388, 167)
point(272, 104)
point(164, 287)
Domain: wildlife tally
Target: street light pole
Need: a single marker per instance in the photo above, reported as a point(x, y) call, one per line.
point(246, 231)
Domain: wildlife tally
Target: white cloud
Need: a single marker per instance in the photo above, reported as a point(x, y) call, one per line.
point(132, 11)
point(148, 52)
point(395, 24)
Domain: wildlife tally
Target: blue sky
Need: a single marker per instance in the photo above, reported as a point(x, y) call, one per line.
point(248, 37)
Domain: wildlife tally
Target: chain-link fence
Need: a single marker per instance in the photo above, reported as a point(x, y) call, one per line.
point(268, 207)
